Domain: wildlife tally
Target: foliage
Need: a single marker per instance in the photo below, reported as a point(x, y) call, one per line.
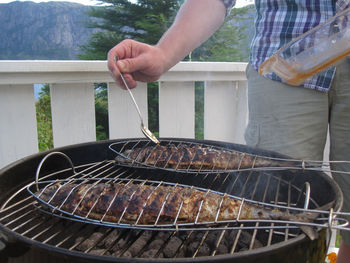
point(226, 43)
point(101, 112)
point(153, 106)
point(199, 110)
point(98, 45)
point(44, 120)
point(145, 20)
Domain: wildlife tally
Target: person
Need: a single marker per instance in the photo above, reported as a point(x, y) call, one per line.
point(292, 120)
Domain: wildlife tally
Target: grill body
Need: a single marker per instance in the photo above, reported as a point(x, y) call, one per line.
point(19, 248)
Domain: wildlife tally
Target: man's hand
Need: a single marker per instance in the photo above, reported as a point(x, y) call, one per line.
point(137, 61)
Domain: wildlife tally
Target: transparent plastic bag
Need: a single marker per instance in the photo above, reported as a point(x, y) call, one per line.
point(314, 51)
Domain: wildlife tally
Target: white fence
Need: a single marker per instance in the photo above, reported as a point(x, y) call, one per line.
point(72, 103)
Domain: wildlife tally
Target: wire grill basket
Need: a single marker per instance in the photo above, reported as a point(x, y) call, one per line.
point(127, 203)
point(191, 157)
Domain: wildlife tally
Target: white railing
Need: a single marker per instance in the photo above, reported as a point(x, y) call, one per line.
point(72, 103)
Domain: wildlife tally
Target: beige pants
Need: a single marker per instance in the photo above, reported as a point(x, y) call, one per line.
point(294, 121)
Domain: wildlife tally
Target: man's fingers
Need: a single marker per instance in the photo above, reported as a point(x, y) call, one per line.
point(129, 79)
point(130, 65)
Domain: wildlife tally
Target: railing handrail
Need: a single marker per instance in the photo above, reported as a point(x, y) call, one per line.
point(89, 71)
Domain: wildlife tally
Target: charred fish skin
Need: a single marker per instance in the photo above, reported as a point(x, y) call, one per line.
point(196, 157)
point(146, 204)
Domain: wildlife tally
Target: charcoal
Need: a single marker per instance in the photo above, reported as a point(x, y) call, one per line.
point(172, 247)
point(150, 253)
point(181, 253)
point(203, 250)
point(127, 254)
point(139, 244)
point(110, 239)
point(97, 251)
point(163, 235)
point(212, 238)
point(191, 248)
point(156, 244)
point(147, 244)
point(90, 242)
point(119, 245)
point(197, 236)
point(222, 249)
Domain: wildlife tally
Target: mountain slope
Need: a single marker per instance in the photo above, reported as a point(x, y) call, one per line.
point(52, 30)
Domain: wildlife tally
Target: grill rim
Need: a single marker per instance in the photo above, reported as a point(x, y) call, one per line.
point(34, 160)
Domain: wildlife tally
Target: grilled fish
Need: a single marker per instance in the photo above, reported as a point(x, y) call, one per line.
point(196, 157)
point(145, 204)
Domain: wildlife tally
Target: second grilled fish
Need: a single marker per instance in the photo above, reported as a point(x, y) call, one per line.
point(197, 157)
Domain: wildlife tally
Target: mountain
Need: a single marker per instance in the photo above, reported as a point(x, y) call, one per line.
point(51, 30)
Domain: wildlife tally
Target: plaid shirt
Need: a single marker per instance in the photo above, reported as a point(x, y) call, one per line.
point(279, 21)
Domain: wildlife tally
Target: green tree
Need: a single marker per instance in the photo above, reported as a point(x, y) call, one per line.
point(229, 43)
point(145, 20)
point(101, 112)
point(44, 120)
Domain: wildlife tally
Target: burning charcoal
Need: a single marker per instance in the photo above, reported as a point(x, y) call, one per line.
point(246, 239)
point(196, 236)
point(231, 236)
point(203, 250)
point(140, 243)
point(181, 253)
point(150, 253)
point(172, 247)
point(127, 254)
point(97, 251)
point(222, 249)
point(87, 244)
point(183, 235)
point(120, 244)
point(213, 238)
point(156, 244)
point(79, 239)
point(90, 242)
point(110, 239)
point(191, 248)
point(163, 235)
point(257, 244)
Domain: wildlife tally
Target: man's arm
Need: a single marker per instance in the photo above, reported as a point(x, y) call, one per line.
point(195, 22)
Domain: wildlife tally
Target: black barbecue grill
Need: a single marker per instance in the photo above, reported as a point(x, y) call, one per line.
point(31, 233)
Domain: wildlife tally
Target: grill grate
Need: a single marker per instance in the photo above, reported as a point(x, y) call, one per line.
point(23, 214)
